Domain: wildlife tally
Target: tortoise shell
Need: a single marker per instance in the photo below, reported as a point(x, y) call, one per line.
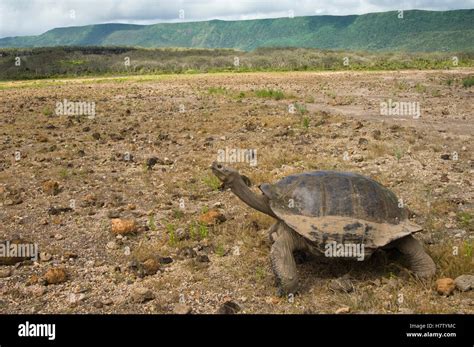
point(326, 206)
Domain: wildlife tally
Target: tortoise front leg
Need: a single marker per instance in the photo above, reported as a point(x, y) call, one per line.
point(420, 262)
point(281, 256)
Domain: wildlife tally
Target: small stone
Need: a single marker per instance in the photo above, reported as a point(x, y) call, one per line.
point(37, 290)
point(168, 161)
point(58, 237)
point(376, 134)
point(202, 258)
point(107, 302)
point(211, 218)
point(228, 307)
point(166, 260)
point(55, 275)
point(44, 256)
point(141, 295)
point(182, 309)
point(363, 141)
point(75, 298)
point(187, 252)
point(123, 226)
point(464, 282)
point(113, 214)
point(70, 255)
point(343, 285)
point(8, 202)
point(344, 309)
point(445, 286)
point(445, 156)
point(98, 304)
point(54, 211)
point(50, 187)
point(4, 273)
point(444, 178)
point(357, 125)
point(150, 162)
point(34, 279)
point(273, 300)
point(112, 245)
point(376, 282)
point(181, 234)
point(151, 266)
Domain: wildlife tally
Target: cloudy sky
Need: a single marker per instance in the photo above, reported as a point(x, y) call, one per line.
point(33, 17)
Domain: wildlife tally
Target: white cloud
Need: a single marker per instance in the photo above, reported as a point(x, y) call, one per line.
point(33, 17)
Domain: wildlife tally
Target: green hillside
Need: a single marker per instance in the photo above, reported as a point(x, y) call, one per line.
point(417, 31)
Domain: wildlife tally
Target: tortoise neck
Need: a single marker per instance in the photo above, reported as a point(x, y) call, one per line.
point(258, 202)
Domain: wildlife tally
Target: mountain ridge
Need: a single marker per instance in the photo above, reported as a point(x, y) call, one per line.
point(418, 30)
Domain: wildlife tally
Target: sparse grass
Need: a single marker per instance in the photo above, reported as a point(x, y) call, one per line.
point(64, 173)
point(178, 213)
point(306, 122)
point(301, 108)
point(203, 231)
point(436, 93)
point(47, 111)
point(420, 88)
point(398, 153)
point(378, 149)
point(151, 222)
point(171, 229)
point(468, 82)
point(270, 93)
point(217, 90)
point(466, 220)
point(212, 182)
point(193, 230)
point(260, 273)
point(220, 250)
point(309, 99)
point(198, 231)
point(402, 85)
point(453, 258)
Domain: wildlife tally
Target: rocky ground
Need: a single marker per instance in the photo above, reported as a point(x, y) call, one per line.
point(129, 219)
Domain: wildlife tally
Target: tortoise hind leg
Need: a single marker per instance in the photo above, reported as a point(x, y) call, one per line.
point(282, 259)
point(420, 262)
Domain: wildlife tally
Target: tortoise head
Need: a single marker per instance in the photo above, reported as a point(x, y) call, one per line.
point(226, 175)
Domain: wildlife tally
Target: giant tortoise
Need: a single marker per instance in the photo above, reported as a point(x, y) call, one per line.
point(330, 213)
